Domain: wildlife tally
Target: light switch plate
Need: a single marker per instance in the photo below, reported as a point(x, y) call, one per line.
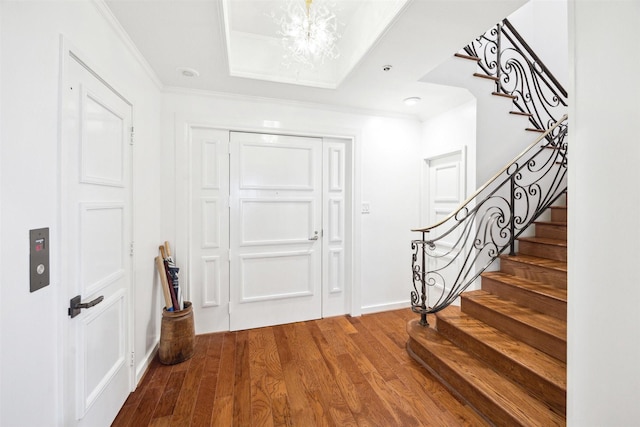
point(366, 207)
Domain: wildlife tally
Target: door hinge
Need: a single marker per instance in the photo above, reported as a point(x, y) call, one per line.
point(133, 358)
point(131, 249)
point(132, 135)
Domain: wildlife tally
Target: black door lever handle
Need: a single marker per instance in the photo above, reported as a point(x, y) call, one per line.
point(75, 305)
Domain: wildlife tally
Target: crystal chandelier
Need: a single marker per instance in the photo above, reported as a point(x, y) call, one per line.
point(309, 34)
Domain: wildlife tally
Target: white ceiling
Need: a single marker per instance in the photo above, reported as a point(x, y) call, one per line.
point(190, 33)
point(255, 49)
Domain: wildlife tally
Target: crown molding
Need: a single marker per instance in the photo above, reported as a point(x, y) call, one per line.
point(287, 102)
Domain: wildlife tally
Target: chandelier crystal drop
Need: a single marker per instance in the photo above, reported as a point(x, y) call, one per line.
point(309, 32)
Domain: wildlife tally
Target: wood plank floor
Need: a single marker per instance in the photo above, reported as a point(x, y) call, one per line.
point(340, 371)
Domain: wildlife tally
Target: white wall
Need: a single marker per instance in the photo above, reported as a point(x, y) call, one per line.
point(451, 131)
point(604, 204)
point(390, 183)
point(31, 323)
point(387, 162)
point(543, 25)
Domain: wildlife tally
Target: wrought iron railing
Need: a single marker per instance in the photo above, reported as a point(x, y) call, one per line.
point(506, 55)
point(454, 252)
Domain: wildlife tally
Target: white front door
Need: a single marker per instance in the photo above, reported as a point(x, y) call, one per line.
point(275, 229)
point(96, 226)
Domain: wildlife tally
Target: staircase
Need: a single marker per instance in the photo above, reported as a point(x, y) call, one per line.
point(503, 350)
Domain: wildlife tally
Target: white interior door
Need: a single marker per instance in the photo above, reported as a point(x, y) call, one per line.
point(275, 226)
point(96, 248)
point(446, 185)
point(446, 191)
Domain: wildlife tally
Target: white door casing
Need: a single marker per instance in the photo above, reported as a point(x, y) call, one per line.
point(275, 226)
point(96, 244)
point(209, 243)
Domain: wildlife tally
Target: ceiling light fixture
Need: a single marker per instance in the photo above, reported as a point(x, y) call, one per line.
point(188, 72)
point(412, 101)
point(309, 34)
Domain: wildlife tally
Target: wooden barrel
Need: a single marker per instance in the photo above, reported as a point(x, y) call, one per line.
point(177, 335)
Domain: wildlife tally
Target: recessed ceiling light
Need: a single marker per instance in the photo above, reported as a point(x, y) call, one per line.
point(387, 67)
point(412, 101)
point(188, 72)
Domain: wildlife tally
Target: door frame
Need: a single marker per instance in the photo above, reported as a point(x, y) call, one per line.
point(182, 181)
point(66, 389)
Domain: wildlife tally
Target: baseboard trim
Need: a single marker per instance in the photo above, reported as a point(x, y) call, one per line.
point(369, 309)
point(144, 364)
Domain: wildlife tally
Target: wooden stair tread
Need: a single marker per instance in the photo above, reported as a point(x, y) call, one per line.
point(544, 241)
point(505, 95)
point(537, 287)
point(486, 76)
point(542, 262)
point(548, 367)
point(545, 323)
point(520, 113)
point(456, 367)
point(536, 130)
point(463, 56)
point(554, 223)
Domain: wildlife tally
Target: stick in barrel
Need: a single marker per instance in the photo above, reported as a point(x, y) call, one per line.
point(173, 273)
point(164, 283)
point(174, 297)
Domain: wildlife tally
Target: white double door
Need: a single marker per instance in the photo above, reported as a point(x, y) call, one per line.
point(286, 228)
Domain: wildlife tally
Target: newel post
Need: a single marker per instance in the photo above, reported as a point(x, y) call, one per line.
point(423, 313)
point(512, 205)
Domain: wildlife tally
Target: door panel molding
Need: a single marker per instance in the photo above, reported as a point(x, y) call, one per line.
point(96, 249)
point(113, 350)
point(275, 274)
point(211, 281)
point(274, 178)
point(114, 153)
point(211, 227)
point(278, 218)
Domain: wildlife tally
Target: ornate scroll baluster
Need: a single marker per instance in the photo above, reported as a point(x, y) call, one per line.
point(505, 54)
point(453, 253)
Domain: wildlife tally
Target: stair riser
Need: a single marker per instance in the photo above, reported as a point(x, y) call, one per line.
point(558, 253)
point(457, 384)
point(551, 231)
point(558, 214)
point(537, 383)
point(534, 272)
point(542, 303)
point(536, 338)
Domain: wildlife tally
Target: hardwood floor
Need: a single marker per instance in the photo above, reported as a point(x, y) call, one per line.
point(340, 371)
